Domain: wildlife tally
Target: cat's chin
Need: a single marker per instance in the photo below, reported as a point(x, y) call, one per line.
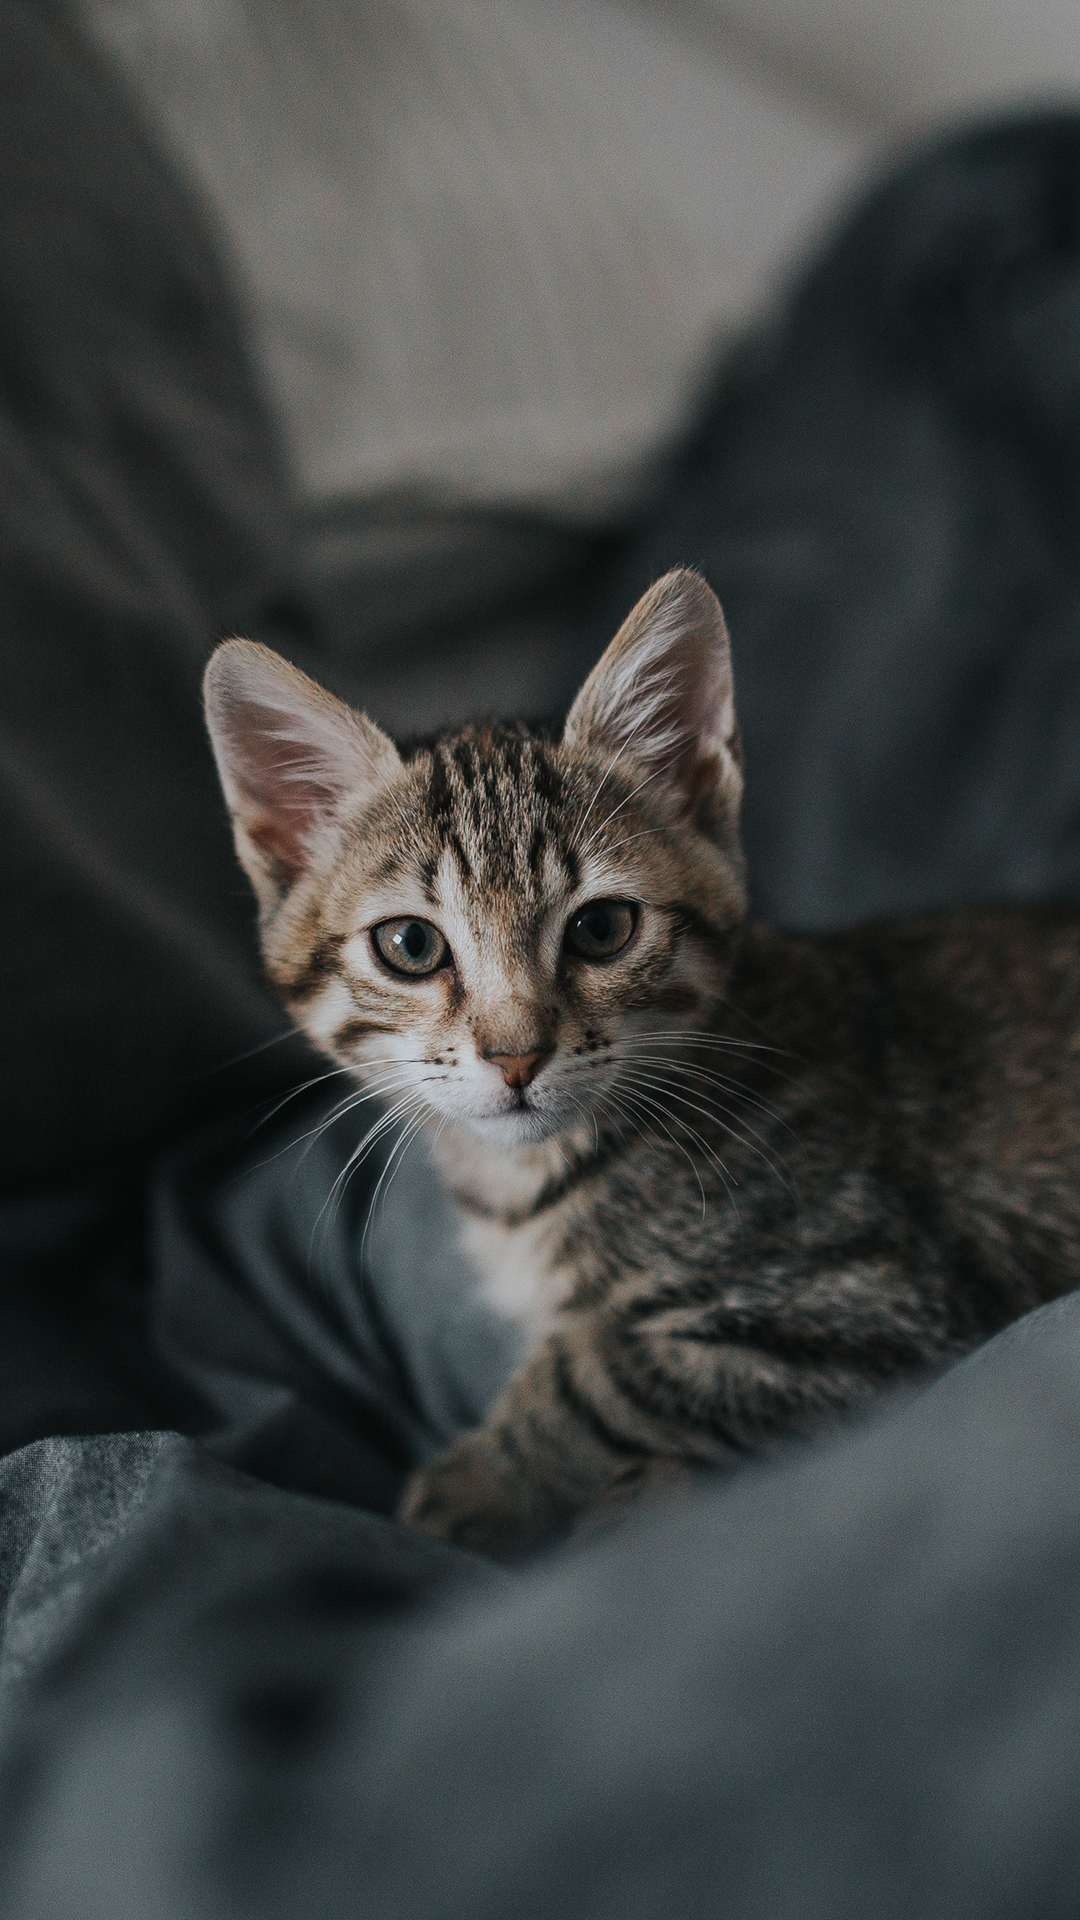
point(518, 1127)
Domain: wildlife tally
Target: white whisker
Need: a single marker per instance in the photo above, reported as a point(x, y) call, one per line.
point(635, 1098)
point(702, 1036)
point(411, 1128)
point(317, 1080)
point(738, 1133)
point(710, 1078)
point(727, 1179)
point(656, 774)
point(235, 1059)
point(646, 833)
point(360, 1153)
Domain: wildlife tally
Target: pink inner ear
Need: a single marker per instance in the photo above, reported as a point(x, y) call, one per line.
point(662, 694)
point(284, 789)
point(283, 793)
point(287, 792)
point(287, 752)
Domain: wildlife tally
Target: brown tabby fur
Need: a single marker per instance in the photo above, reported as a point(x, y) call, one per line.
point(757, 1177)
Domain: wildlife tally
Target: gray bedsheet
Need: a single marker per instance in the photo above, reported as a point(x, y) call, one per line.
point(844, 1684)
point(325, 1315)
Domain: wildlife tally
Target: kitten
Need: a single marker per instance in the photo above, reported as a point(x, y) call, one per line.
point(730, 1180)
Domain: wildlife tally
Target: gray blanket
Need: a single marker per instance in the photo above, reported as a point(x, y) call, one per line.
point(845, 1683)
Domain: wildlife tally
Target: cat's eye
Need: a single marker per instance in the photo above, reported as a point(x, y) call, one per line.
point(601, 929)
point(413, 947)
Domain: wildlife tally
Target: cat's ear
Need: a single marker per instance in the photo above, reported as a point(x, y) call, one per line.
point(662, 697)
point(287, 753)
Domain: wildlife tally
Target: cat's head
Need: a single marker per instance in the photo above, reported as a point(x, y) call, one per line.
point(494, 924)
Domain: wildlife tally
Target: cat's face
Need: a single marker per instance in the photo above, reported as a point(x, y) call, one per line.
point(490, 930)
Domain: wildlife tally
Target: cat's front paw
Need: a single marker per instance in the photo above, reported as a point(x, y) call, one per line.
point(467, 1496)
point(649, 1480)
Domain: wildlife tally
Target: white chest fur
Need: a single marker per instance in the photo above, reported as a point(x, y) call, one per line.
point(521, 1266)
point(519, 1277)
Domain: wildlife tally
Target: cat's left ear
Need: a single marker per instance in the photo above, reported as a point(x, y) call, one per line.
point(662, 699)
point(289, 756)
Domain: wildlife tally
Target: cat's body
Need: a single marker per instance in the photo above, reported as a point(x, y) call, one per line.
point(899, 1179)
point(729, 1181)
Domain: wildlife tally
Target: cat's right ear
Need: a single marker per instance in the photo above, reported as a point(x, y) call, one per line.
point(288, 753)
point(662, 695)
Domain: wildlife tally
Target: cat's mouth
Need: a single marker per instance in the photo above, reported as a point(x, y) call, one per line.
point(513, 1116)
point(519, 1120)
point(519, 1108)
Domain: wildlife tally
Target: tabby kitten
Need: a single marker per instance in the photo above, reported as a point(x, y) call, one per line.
point(729, 1180)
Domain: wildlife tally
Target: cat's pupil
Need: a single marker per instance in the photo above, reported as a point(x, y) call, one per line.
point(601, 929)
point(410, 946)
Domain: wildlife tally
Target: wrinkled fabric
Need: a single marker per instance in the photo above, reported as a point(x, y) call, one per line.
point(886, 496)
point(144, 510)
point(848, 1683)
point(845, 1683)
point(323, 1311)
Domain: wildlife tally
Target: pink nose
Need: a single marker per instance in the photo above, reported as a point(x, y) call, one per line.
point(520, 1069)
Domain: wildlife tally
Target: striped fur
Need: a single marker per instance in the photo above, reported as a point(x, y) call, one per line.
point(755, 1178)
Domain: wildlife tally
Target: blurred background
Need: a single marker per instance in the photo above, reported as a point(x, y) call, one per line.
point(489, 251)
point(415, 338)
point(492, 251)
point(490, 246)
point(540, 298)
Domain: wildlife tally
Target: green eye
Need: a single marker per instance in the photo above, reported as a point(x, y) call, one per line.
point(414, 947)
point(601, 929)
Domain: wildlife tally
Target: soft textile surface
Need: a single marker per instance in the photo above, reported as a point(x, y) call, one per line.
point(323, 1312)
point(487, 243)
point(902, 66)
point(143, 507)
point(888, 507)
point(846, 1685)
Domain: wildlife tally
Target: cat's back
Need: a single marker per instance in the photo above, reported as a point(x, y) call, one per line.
point(965, 999)
point(928, 1052)
point(907, 1090)
point(946, 1048)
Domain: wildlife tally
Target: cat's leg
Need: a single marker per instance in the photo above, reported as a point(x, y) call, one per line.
point(673, 1378)
point(561, 1440)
